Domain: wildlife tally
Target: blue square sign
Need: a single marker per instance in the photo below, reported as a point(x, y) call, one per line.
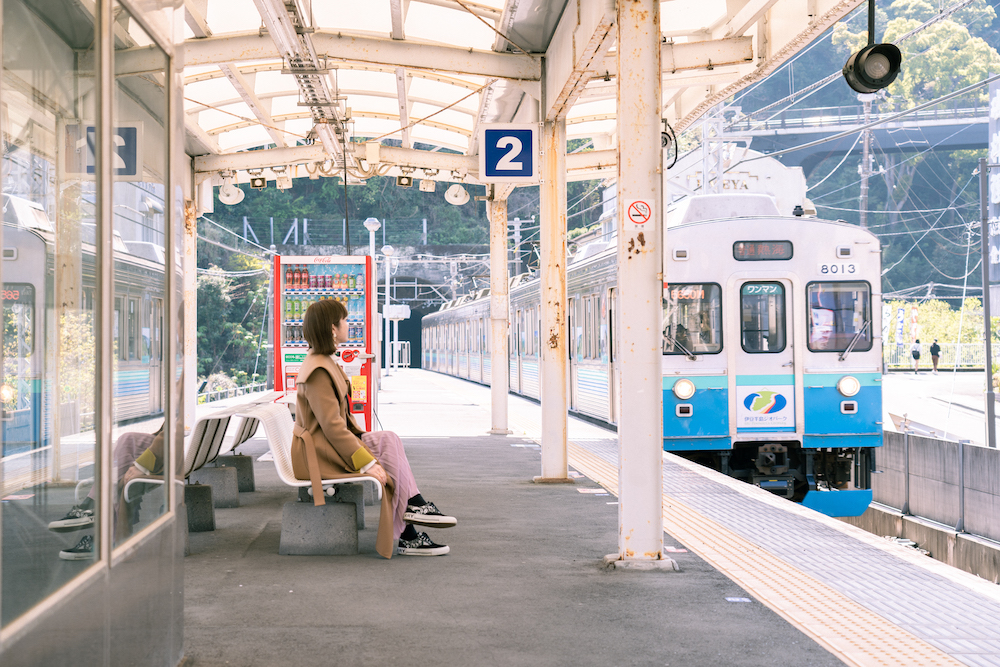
point(509, 153)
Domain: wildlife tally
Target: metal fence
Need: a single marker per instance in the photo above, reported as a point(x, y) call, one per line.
point(953, 355)
point(220, 394)
point(336, 231)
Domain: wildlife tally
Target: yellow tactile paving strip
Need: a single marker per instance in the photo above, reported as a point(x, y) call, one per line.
point(851, 632)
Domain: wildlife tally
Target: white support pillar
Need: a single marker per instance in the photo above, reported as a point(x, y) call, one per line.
point(499, 317)
point(640, 288)
point(552, 338)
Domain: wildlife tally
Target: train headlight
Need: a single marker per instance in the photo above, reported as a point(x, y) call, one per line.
point(684, 389)
point(848, 385)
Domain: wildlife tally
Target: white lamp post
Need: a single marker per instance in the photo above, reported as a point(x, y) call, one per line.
point(388, 251)
point(373, 225)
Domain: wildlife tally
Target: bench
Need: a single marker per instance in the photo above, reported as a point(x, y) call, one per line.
point(307, 529)
point(203, 446)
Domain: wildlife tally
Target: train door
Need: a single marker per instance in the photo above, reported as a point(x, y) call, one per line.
point(572, 323)
point(763, 356)
point(153, 338)
point(613, 407)
point(517, 336)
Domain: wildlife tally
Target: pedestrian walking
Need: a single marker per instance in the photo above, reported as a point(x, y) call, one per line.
point(935, 354)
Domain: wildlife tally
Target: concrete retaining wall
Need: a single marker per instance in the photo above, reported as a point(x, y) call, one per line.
point(929, 511)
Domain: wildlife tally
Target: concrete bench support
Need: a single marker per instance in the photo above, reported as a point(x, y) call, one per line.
point(225, 488)
point(327, 530)
point(244, 470)
point(344, 493)
point(200, 511)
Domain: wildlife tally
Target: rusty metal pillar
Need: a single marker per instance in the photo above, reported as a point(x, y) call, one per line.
point(189, 269)
point(552, 335)
point(499, 317)
point(640, 282)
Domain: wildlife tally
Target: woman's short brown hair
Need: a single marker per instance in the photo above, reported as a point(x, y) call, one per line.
point(318, 324)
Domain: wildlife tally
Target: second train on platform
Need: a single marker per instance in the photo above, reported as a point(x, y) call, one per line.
point(770, 339)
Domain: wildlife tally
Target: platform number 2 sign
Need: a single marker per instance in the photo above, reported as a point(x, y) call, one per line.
point(508, 153)
point(126, 156)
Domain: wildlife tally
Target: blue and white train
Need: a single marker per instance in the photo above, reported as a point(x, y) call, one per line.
point(771, 346)
point(28, 412)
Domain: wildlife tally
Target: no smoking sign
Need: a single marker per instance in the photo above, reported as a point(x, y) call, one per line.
point(639, 212)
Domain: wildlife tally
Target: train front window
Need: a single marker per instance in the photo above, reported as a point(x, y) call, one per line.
point(762, 317)
point(838, 315)
point(692, 319)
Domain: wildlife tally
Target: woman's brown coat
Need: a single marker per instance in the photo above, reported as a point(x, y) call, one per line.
point(322, 410)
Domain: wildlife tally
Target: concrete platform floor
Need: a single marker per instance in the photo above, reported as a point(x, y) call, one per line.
point(523, 584)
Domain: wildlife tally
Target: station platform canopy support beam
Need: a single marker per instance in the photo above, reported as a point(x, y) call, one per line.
point(499, 308)
point(640, 280)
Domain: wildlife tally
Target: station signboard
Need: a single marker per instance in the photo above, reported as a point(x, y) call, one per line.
point(508, 153)
point(78, 151)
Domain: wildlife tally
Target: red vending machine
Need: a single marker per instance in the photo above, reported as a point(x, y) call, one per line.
point(301, 281)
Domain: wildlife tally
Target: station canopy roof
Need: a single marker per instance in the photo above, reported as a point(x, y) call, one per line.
point(310, 79)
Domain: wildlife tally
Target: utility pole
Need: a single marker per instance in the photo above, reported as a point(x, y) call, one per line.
point(984, 196)
point(866, 167)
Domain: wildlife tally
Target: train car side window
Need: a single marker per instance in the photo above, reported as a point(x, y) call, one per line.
point(692, 318)
point(762, 317)
point(836, 314)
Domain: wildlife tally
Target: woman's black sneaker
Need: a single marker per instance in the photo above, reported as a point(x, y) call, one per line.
point(84, 550)
point(421, 545)
point(77, 518)
point(428, 515)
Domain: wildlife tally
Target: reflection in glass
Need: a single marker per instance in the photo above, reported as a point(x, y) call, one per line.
point(837, 313)
point(762, 315)
point(139, 169)
point(48, 386)
point(692, 319)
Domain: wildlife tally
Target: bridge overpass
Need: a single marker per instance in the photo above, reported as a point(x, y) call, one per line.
point(948, 129)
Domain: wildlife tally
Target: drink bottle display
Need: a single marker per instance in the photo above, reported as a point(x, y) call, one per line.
point(301, 282)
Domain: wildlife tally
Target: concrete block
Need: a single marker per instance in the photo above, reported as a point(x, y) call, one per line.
point(371, 493)
point(342, 493)
point(328, 530)
point(225, 487)
point(244, 470)
point(200, 511)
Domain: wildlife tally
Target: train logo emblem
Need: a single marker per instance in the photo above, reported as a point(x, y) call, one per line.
point(639, 212)
point(765, 402)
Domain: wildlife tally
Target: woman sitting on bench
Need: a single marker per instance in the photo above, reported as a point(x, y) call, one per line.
point(328, 444)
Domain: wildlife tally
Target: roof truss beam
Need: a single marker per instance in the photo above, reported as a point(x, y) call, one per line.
point(579, 45)
point(345, 47)
point(245, 88)
point(397, 11)
point(402, 89)
point(194, 16)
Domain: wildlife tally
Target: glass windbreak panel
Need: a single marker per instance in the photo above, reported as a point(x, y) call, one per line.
point(838, 315)
point(762, 317)
point(139, 214)
point(692, 319)
point(48, 379)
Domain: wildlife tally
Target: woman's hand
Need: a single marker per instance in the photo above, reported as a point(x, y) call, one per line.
point(379, 473)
